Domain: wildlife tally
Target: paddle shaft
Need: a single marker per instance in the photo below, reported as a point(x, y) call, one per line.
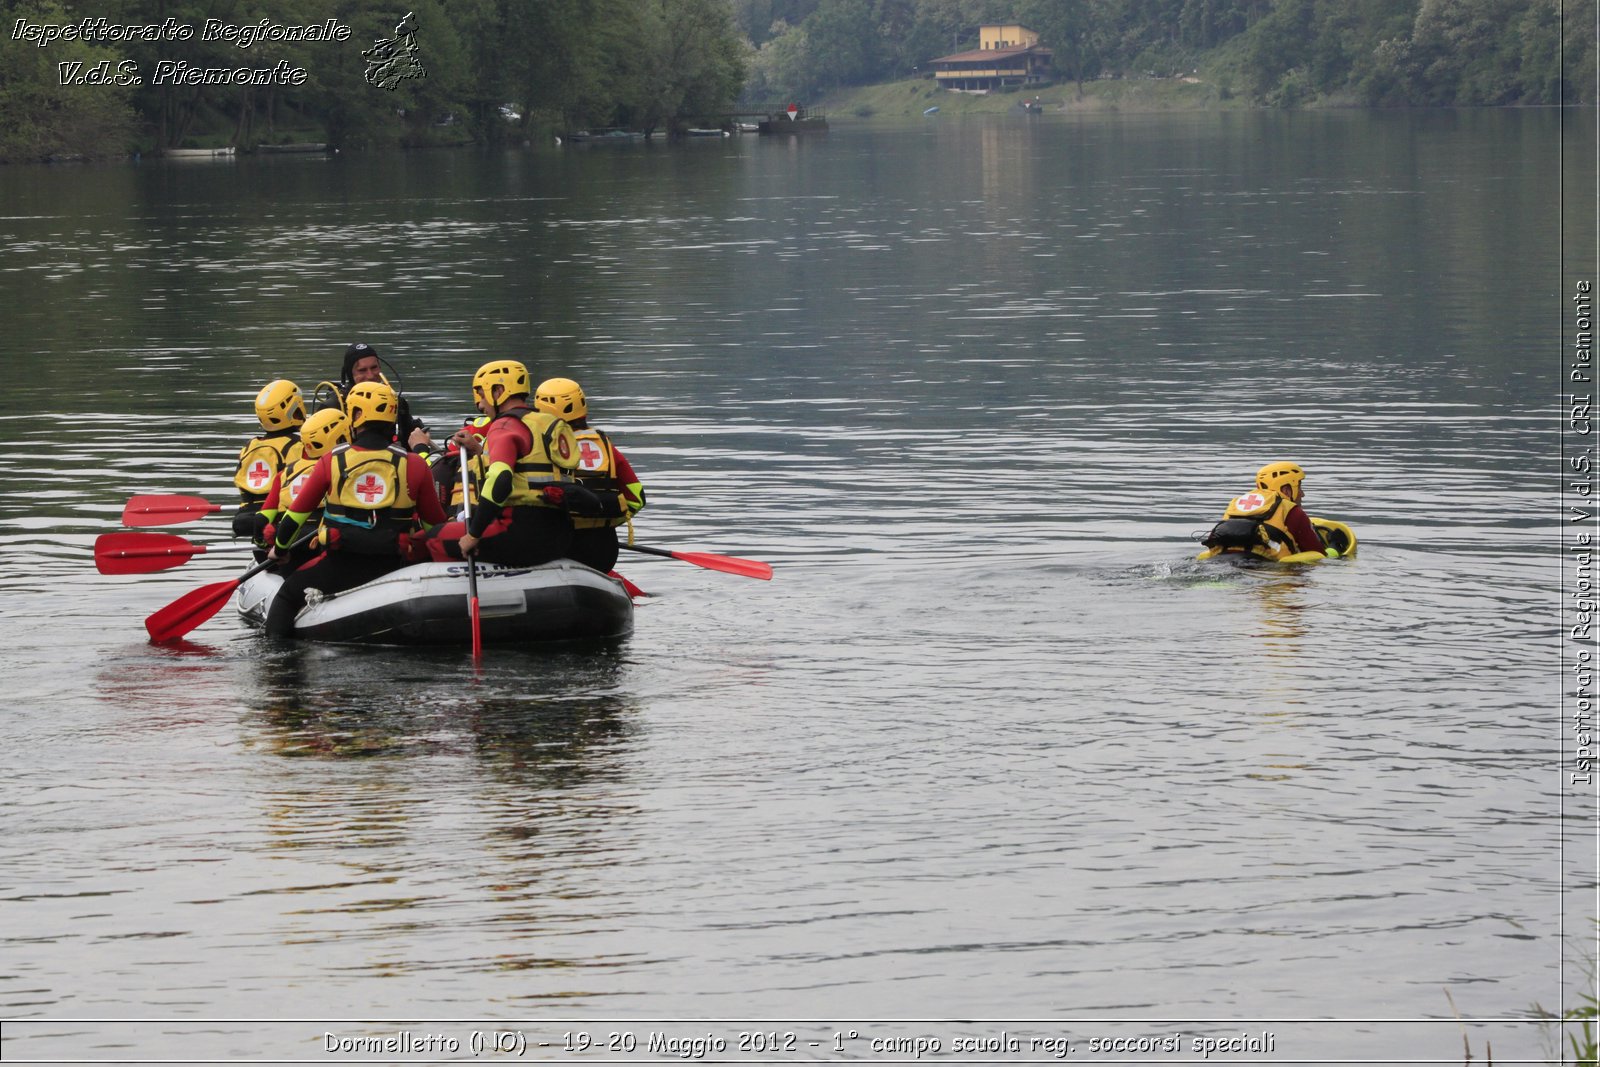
point(648, 550)
point(472, 564)
point(195, 607)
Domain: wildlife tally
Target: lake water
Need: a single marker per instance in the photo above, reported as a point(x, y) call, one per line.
point(991, 759)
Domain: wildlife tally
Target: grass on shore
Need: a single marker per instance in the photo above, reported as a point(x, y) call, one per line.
point(912, 96)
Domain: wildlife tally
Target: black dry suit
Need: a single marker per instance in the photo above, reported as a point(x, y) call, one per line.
point(405, 423)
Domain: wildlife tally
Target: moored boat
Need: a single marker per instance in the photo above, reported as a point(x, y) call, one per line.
point(198, 153)
point(605, 136)
point(302, 146)
point(426, 604)
point(795, 120)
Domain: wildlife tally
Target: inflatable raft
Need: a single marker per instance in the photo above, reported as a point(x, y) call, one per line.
point(1335, 534)
point(426, 604)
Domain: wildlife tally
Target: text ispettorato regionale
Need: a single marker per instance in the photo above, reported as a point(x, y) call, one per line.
point(104, 31)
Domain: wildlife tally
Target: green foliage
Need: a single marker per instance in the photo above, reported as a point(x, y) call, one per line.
point(781, 68)
point(562, 63)
point(761, 20)
point(1421, 52)
point(681, 60)
point(1577, 1024)
point(844, 42)
point(1582, 1038)
point(1068, 29)
point(44, 119)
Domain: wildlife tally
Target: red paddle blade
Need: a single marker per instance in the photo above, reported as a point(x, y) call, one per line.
point(189, 611)
point(166, 510)
point(750, 568)
point(138, 553)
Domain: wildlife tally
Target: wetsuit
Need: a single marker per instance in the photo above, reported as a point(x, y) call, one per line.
point(372, 494)
point(519, 518)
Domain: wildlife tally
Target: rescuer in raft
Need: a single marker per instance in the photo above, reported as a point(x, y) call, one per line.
point(527, 478)
point(322, 432)
point(602, 469)
point(372, 493)
point(1269, 521)
point(281, 411)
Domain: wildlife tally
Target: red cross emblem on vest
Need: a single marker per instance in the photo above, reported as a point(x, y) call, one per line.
point(1252, 502)
point(589, 456)
point(259, 474)
point(371, 488)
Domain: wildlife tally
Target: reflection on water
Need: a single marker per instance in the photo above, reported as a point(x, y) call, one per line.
point(556, 716)
point(523, 766)
point(991, 742)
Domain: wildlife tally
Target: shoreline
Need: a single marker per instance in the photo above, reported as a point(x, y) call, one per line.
point(910, 98)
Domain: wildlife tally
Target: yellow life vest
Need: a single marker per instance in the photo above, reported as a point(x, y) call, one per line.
point(260, 460)
point(553, 458)
point(475, 472)
point(597, 471)
point(477, 466)
point(294, 478)
point(1269, 512)
point(369, 502)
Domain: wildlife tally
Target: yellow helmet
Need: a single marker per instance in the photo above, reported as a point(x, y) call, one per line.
point(324, 430)
point(511, 376)
point(561, 397)
point(371, 402)
point(279, 405)
point(1282, 478)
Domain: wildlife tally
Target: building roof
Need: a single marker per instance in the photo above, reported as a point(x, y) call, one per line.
point(979, 54)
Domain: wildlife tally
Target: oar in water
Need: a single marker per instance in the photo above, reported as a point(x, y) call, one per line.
point(627, 586)
point(749, 568)
point(142, 553)
point(194, 608)
point(166, 510)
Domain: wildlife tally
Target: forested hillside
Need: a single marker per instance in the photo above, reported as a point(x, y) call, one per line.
point(104, 79)
point(1382, 53)
point(559, 64)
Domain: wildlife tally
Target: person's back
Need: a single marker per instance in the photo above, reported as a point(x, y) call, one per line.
point(281, 412)
point(321, 433)
point(528, 461)
point(602, 469)
point(371, 492)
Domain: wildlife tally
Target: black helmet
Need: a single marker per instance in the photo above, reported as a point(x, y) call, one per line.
point(358, 351)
